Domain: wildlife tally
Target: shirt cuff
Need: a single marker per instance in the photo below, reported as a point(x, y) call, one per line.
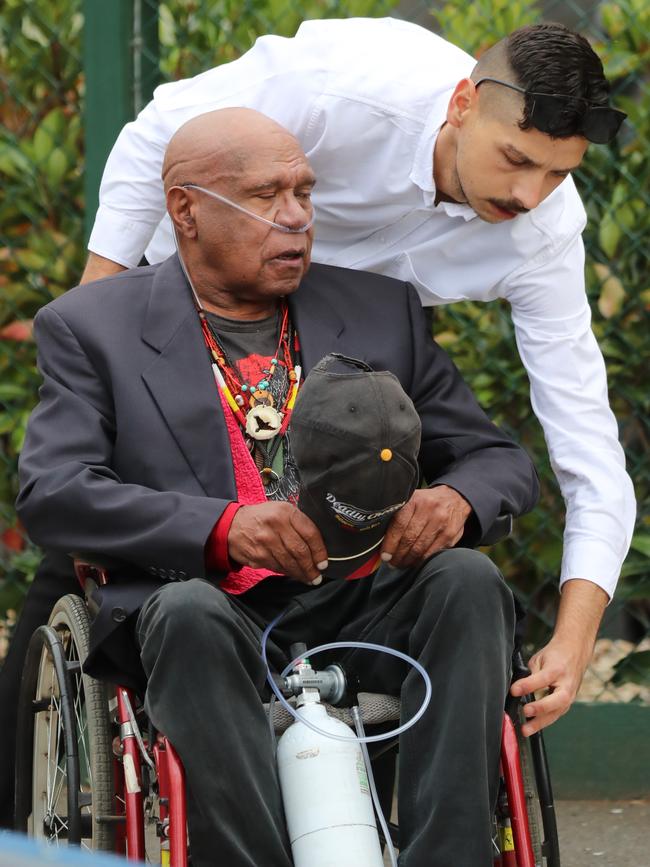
point(593, 560)
point(118, 238)
point(216, 548)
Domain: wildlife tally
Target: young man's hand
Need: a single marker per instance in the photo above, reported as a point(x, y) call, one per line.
point(558, 668)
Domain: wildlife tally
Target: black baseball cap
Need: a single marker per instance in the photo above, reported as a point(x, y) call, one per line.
point(355, 436)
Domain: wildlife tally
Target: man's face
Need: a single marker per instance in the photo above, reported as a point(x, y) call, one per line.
point(244, 257)
point(503, 171)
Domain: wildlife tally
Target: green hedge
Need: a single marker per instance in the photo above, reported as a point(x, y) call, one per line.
point(41, 230)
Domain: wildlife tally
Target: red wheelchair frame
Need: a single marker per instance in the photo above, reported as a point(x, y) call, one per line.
point(132, 783)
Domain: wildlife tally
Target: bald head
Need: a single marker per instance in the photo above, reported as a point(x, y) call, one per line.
point(219, 145)
point(235, 181)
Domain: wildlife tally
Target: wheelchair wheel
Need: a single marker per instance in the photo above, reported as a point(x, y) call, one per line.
point(64, 763)
point(539, 798)
point(532, 801)
point(549, 841)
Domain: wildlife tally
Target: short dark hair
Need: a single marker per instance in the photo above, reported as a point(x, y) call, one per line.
point(550, 58)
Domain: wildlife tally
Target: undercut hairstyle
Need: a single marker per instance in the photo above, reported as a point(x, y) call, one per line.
point(549, 58)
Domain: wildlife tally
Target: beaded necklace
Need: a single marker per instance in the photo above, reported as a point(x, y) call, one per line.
point(263, 424)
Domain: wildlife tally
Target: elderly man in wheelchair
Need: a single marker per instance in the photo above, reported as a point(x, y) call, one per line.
point(166, 440)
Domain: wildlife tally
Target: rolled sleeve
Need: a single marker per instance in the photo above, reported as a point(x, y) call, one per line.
point(119, 237)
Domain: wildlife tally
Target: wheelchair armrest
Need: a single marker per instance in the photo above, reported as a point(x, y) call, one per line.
point(87, 571)
point(500, 529)
point(97, 567)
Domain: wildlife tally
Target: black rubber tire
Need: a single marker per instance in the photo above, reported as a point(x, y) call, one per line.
point(542, 822)
point(38, 719)
point(532, 800)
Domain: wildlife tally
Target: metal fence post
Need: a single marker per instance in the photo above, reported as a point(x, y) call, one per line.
point(120, 56)
point(146, 51)
point(108, 65)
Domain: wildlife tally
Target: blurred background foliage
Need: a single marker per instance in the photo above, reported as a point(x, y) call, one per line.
point(42, 250)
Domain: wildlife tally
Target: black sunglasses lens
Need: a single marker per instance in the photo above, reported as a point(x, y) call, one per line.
point(601, 124)
point(550, 114)
point(540, 116)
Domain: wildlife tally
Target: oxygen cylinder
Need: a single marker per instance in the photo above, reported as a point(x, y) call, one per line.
point(327, 800)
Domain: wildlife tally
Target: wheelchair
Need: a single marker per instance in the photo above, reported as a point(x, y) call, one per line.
point(91, 770)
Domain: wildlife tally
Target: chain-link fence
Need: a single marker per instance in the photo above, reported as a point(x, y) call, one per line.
point(42, 95)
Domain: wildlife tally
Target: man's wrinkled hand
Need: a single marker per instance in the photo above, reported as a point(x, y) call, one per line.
point(556, 670)
point(279, 537)
point(433, 519)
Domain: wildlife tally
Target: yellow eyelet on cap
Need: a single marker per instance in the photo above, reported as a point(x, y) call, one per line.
point(386, 454)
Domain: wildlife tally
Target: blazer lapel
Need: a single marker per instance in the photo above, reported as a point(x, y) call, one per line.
point(320, 328)
point(181, 381)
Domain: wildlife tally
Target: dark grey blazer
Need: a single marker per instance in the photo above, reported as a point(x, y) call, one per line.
point(127, 455)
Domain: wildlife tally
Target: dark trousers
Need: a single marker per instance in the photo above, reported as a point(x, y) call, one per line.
point(201, 651)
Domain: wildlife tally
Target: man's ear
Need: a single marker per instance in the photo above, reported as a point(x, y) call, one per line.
point(180, 208)
point(463, 101)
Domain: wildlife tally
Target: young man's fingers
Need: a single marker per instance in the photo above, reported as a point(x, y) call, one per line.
point(541, 679)
point(530, 727)
point(555, 702)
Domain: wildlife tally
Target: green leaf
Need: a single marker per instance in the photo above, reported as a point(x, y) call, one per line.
point(634, 668)
point(56, 167)
point(641, 543)
point(42, 144)
point(30, 260)
point(33, 32)
point(10, 391)
point(14, 163)
point(609, 235)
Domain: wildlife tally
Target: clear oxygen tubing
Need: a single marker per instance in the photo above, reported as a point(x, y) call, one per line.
point(343, 645)
point(358, 725)
point(248, 213)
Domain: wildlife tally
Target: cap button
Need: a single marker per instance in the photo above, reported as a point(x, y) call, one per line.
point(386, 454)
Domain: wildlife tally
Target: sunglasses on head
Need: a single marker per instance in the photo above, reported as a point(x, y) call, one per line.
point(599, 125)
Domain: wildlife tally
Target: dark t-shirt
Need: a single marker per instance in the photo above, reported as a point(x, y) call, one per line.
point(249, 347)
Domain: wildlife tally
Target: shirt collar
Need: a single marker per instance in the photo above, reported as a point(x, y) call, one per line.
point(422, 170)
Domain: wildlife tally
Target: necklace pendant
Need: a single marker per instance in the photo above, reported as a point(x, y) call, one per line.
point(261, 397)
point(263, 422)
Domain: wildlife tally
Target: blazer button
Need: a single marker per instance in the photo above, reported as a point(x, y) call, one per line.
point(171, 574)
point(152, 570)
point(182, 575)
point(162, 573)
point(118, 614)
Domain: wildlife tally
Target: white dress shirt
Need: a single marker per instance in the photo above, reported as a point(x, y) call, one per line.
point(366, 98)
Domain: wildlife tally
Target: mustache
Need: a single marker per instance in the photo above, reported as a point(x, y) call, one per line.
point(511, 205)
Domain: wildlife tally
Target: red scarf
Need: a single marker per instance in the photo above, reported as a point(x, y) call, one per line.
point(250, 490)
